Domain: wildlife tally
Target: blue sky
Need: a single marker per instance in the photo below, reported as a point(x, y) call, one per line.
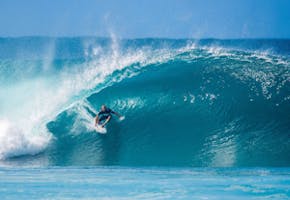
point(147, 18)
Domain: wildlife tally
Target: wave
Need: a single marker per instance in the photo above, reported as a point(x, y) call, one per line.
point(186, 104)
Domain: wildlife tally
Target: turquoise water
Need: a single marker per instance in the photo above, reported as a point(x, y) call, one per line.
point(144, 183)
point(204, 118)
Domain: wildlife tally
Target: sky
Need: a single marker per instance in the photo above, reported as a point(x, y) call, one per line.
point(146, 18)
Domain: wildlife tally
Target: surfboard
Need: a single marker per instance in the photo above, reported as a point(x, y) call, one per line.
point(103, 130)
point(100, 129)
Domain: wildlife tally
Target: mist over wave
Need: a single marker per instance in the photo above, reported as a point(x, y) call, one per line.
point(186, 102)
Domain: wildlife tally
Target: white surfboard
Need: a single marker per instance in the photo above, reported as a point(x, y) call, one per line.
point(103, 130)
point(100, 129)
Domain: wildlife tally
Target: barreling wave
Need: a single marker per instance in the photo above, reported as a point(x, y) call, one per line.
point(187, 103)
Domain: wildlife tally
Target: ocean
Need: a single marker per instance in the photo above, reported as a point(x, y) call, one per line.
point(204, 119)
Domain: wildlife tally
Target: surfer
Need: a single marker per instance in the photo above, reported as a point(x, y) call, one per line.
point(105, 115)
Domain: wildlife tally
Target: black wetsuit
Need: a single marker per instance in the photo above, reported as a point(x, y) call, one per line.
point(103, 115)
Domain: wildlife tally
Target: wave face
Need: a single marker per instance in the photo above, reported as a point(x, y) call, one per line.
point(213, 103)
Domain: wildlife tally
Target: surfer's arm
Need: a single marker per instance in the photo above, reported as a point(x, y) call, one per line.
point(96, 120)
point(117, 114)
point(107, 120)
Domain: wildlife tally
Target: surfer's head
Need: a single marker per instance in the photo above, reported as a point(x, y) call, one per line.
point(103, 107)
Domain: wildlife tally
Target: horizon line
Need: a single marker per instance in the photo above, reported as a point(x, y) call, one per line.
point(149, 37)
